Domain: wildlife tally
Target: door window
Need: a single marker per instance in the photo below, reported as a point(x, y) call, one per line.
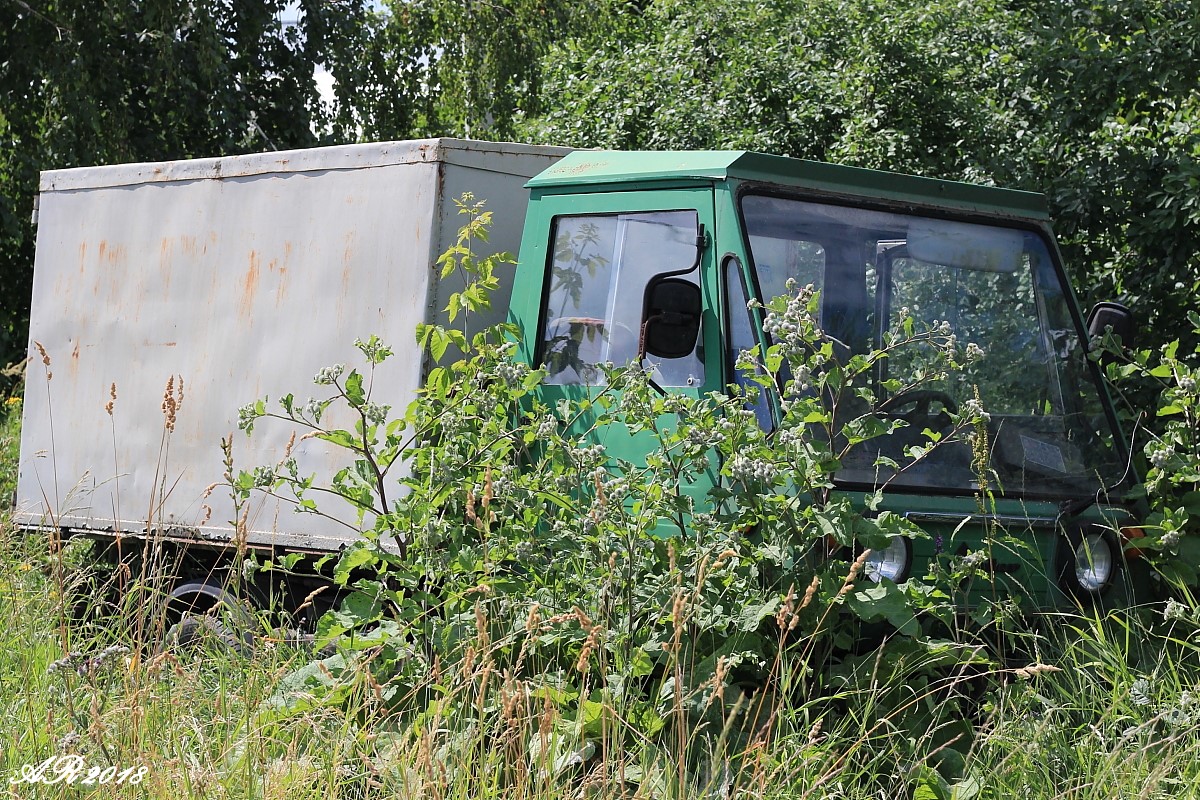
point(599, 269)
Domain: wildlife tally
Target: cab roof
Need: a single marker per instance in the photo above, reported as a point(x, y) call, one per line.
point(601, 167)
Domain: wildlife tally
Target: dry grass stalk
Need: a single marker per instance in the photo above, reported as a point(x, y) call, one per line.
point(1033, 670)
point(589, 645)
point(855, 569)
point(810, 593)
point(172, 402)
point(534, 619)
point(786, 612)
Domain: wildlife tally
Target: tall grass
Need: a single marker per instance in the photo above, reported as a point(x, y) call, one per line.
point(1110, 710)
point(1106, 705)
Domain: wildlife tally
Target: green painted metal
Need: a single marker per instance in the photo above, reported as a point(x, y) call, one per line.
point(604, 168)
point(529, 292)
point(1025, 538)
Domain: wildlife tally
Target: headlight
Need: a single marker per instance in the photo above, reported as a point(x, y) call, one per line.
point(1088, 561)
point(1095, 562)
point(892, 562)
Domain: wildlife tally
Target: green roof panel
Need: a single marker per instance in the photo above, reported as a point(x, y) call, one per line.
point(600, 167)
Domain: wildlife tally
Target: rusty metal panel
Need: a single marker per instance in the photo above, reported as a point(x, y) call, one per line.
point(230, 279)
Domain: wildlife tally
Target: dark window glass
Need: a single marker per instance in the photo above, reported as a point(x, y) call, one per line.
point(996, 290)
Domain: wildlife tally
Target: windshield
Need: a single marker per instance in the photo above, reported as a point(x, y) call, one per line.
point(997, 291)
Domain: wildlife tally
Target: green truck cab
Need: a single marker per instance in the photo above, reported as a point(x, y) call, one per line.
point(671, 256)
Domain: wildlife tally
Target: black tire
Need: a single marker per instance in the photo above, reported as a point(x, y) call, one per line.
point(203, 631)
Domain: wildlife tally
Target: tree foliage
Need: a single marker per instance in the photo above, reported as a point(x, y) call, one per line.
point(881, 84)
point(85, 83)
point(1093, 103)
point(449, 67)
point(1104, 117)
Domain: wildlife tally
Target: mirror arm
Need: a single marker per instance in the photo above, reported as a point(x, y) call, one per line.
point(701, 243)
point(641, 356)
point(641, 351)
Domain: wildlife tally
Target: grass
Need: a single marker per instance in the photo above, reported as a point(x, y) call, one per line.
point(1110, 708)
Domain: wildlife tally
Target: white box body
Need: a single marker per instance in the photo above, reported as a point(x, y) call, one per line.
point(243, 276)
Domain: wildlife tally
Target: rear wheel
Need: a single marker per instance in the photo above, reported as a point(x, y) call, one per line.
point(206, 632)
point(206, 615)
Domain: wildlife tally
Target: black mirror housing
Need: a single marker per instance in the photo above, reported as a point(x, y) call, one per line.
point(671, 311)
point(1111, 315)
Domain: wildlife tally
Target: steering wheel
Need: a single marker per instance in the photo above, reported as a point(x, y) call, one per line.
point(921, 400)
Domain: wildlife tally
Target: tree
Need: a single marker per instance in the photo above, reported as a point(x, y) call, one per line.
point(1092, 103)
point(890, 84)
point(86, 83)
point(451, 67)
point(1104, 116)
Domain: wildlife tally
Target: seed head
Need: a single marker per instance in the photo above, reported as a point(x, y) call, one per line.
point(534, 619)
point(855, 569)
point(171, 402)
point(1033, 670)
point(810, 592)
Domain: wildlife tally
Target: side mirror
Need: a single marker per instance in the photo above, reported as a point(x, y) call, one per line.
point(671, 312)
point(1114, 315)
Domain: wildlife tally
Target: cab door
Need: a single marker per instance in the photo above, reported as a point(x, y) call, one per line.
point(597, 255)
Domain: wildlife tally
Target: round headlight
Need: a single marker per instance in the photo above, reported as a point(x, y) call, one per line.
point(1095, 562)
point(892, 562)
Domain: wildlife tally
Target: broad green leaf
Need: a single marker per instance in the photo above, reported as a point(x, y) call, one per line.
point(351, 560)
point(354, 388)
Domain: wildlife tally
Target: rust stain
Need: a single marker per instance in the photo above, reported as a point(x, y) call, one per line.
point(111, 260)
point(250, 285)
point(111, 254)
point(281, 289)
point(347, 273)
point(188, 243)
point(347, 262)
point(73, 363)
point(165, 249)
point(82, 256)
